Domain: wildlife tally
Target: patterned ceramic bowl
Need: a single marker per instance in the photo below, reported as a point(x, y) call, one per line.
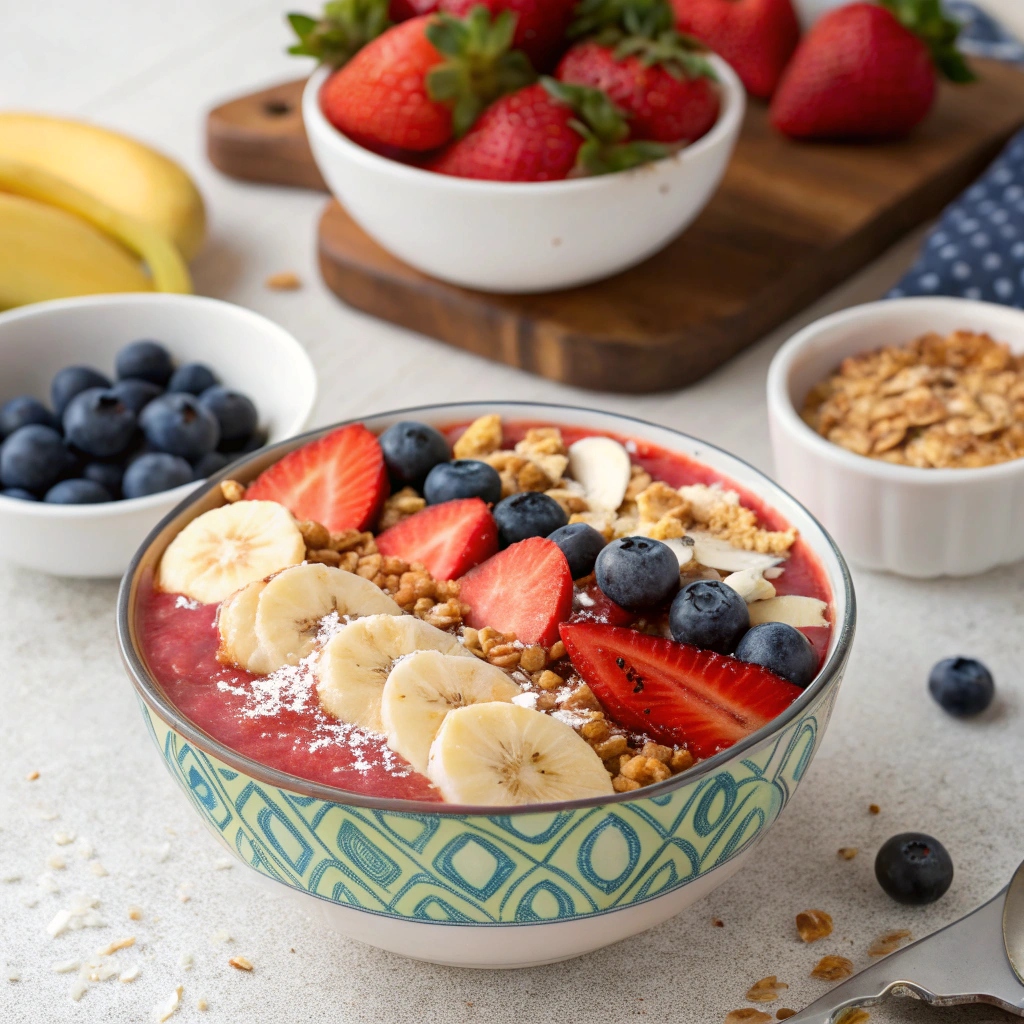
point(524, 886)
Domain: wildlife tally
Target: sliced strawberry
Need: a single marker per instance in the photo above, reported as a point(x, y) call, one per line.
point(340, 480)
point(449, 539)
point(676, 693)
point(525, 589)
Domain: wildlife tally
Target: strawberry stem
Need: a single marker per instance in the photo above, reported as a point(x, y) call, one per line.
point(344, 28)
point(926, 19)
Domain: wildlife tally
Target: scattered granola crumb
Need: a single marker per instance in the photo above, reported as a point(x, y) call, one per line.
point(889, 942)
point(202, 1004)
point(96, 868)
point(284, 281)
point(240, 963)
point(833, 968)
point(135, 913)
point(747, 1015)
point(64, 838)
point(67, 966)
point(232, 490)
point(766, 990)
point(32, 776)
point(167, 1010)
point(718, 922)
point(847, 852)
point(113, 947)
point(813, 925)
point(784, 1013)
point(854, 1016)
point(183, 892)
point(129, 974)
point(56, 862)
point(13, 975)
point(874, 809)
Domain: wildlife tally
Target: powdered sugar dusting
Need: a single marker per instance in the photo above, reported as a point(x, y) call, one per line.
point(186, 602)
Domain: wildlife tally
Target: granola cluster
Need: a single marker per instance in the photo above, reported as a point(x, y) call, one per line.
point(952, 402)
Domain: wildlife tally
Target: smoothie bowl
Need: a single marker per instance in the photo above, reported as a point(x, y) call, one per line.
point(506, 670)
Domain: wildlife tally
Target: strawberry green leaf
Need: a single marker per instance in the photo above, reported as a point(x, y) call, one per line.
point(679, 55)
point(927, 19)
point(344, 28)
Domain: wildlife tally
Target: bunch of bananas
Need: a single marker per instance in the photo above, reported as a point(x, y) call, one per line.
point(84, 210)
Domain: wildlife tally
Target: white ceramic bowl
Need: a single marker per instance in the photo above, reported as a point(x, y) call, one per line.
point(911, 521)
point(523, 237)
point(247, 351)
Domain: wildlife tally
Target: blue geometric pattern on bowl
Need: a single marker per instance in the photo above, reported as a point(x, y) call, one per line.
point(500, 869)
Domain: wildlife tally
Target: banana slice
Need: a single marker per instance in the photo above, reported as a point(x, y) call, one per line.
point(236, 622)
point(293, 603)
point(791, 609)
point(355, 663)
point(425, 687)
point(503, 754)
point(602, 466)
point(228, 547)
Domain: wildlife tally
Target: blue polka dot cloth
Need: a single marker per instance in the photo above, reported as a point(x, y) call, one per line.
point(977, 248)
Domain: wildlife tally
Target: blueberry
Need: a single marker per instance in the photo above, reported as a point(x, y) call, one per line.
point(154, 472)
point(914, 868)
point(251, 444)
point(177, 424)
point(144, 360)
point(77, 492)
point(98, 423)
point(411, 451)
point(529, 514)
point(194, 378)
point(637, 572)
point(18, 492)
point(780, 649)
point(234, 412)
point(210, 463)
point(136, 394)
point(33, 458)
point(962, 686)
point(581, 544)
point(463, 478)
point(107, 474)
point(710, 615)
point(23, 410)
point(70, 381)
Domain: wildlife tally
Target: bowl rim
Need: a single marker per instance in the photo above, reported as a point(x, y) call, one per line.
point(727, 126)
point(297, 354)
point(780, 404)
point(152, 695)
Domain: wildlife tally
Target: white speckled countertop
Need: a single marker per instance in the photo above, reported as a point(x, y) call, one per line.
point(68, 713)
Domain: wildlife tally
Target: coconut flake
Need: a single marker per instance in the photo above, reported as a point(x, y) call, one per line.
point(751, 585)
point(719, 554)
point(793, 610)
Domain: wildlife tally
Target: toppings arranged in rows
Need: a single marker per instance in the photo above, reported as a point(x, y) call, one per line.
point(529, 623)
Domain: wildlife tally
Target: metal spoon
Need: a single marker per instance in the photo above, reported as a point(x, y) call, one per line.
point(978, 959)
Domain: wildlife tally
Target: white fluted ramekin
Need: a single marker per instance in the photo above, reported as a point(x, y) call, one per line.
point(915, 522)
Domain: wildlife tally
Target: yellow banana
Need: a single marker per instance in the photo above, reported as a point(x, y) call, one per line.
point(165, 262)
point(113, 168)
point(46, 253)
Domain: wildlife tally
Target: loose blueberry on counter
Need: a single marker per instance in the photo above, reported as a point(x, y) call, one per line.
point(411, 451)
point(710, 615)
point(98, 423)
point(234, 412)
point(77, 492)
point(192, 378)
point(18, 492)
point(962, 686)
point(177, 424)
point(136, 394)
point(33, 458)
point(914, 868)
point(581, 544)
point(781, 649)
point(212, 462)
point(144, 360)
point(155, 472)
point(529, 514)
point(637, 572)
point(70, 381)
point(107, 474)
point(23, 410)
point(463, 478)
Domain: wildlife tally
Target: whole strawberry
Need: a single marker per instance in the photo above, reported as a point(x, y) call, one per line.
point(540, 24)
point(402, 10)
point(666, 90)
point(424, 81)
point(757, 37)
point(867, 72)
point(545, 133)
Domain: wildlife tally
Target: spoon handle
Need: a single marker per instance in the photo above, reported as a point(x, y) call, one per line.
point(965, 962)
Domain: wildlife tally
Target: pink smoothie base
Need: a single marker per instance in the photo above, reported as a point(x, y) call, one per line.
point(179, 643)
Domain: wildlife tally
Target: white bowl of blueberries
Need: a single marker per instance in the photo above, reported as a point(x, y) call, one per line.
point(114, 407)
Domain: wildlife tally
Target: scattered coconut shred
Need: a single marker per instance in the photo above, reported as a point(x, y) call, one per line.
point(293, 688)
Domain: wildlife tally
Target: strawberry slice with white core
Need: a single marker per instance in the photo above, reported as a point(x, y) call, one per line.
point(678, 694)
point(339, 480)
point(449, 539)
point(525, 589)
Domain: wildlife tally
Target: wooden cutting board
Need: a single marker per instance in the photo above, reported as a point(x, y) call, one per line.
point(789, 222)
